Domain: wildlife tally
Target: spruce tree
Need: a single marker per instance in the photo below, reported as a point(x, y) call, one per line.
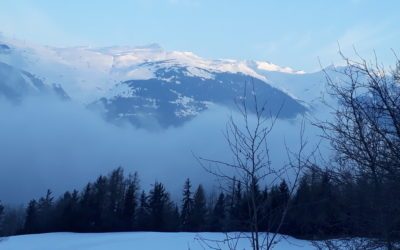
point(218, 215)
point(115, 193)
point(31, 218)
point(264, 210)
point(99, 204)
point(187, 207)
point(131, 202)
point(142, 222)
point(116, 190)
point(45, 213)
point(1, 209)
point(46, 202)
point(86, 214)
point(172, 221)
point(238, 209)
point(284, 192)
point(300, 216)
point(1, 218)
point(159, 207)
point(199, 210)
point(66, 212)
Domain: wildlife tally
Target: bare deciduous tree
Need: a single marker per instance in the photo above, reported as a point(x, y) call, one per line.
point(365, 135)
point(251, 166)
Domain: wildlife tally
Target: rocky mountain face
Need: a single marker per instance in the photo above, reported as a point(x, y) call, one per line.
point(16, 84)
point(175, 96)
point(143, 85)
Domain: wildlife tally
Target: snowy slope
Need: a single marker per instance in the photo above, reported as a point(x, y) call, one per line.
point(125, 241)
point(88, 73)
point(16, 84)
point(82, 73)
point(145, 85)
point(175, 96)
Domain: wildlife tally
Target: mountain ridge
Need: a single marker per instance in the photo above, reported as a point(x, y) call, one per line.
point(171, 87)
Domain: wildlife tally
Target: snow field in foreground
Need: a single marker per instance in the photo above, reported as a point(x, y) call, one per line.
point(131, 241)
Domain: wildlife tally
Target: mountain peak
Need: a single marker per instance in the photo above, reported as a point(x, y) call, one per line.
point(151, 46)
point(87, 73)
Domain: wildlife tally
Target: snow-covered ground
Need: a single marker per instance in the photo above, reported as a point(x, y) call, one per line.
point(122, 241)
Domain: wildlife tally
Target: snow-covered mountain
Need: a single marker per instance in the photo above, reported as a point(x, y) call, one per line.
point(146, 84)
point(64, 143)
point(16, 83)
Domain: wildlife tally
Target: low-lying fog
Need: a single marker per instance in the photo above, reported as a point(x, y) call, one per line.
point(50, 144)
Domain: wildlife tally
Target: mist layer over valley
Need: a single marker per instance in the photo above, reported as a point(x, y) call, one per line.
point(67, 116)
point(60, 145)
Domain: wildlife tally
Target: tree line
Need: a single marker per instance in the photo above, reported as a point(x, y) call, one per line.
point(321, 208)
point(116, 203)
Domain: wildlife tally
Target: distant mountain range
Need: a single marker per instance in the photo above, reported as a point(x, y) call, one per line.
point(146, 84)
point(15, 84)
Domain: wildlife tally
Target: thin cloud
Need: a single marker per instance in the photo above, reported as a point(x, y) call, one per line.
point(364, 39)
point(29, 21)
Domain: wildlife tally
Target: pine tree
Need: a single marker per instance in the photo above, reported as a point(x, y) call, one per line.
point(264, 210)
point(131, 202)
point(199, 210)
point(187, 207)
point(86, 214)
point(284, 192)
point(46, 202)
point(238, 209)
point(45, 212)
point(274, 208)
point(61, 213)
point(72, 210)
point(99, 204)
point(31, 218)
point(116, 190)
point(115, 194)
point(159, 207)
point(66, 212)
point(1, 218)
point(1, 209)
point(142, 222)
point(172, 221)
point(300, 216)
point(218, 215)
point(328, 214)
point(283, 200)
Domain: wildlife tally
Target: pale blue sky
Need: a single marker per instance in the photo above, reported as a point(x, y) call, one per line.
point(289, 33)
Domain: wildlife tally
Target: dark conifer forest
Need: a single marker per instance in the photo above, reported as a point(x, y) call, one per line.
point(321, 208)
